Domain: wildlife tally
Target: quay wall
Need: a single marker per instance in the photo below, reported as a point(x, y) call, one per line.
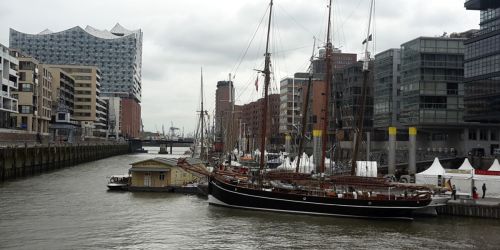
point(470, 210)
point(29, 160)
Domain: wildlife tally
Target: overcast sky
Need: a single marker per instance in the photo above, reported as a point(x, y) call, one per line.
point(182, 36)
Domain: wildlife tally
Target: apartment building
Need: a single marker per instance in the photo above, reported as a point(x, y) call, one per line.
point(34, 95)
point(89, 107)
point(9, 83)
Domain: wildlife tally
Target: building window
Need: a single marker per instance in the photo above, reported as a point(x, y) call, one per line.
point(494, 136)
point(25, 109)
point(472, 134)
point(483, 135)
point(26, 87)
point(162, 176)
point(22, 76)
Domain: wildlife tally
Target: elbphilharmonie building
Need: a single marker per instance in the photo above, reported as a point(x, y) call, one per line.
point(117, 53)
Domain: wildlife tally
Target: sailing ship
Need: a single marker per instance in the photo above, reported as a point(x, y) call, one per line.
point(294, 192)
point(199, 148)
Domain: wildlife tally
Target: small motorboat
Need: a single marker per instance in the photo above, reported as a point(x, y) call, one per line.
point(119, 182)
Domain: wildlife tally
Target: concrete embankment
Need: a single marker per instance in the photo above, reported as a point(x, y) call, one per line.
point(23, 161)
point(483, 208)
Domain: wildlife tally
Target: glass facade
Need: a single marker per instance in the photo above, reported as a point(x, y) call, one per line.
point(432, 81)
point(348, 86)
point(117, 53)
point(386, 83)
point(482, 70)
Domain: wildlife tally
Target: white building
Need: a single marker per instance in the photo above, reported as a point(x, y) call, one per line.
point(9, 66)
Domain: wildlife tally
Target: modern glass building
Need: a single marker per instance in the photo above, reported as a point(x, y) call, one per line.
point(482, 65)
point(349, 90)
point(432, 81)
point(386, 88)
point(118, 53)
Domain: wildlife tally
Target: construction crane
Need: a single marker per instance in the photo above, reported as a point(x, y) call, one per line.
point(172, 130)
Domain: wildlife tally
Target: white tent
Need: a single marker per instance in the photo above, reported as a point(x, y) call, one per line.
point(287, 165)
point(430, 175)
point(304, 163)
point(366, 168)
point(492, 184)
point(495, 166)
point(492, 181)
point(466, 165)
point(461, 180)
point(434, 169)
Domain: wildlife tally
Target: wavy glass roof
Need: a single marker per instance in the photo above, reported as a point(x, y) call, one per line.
point(116, 32)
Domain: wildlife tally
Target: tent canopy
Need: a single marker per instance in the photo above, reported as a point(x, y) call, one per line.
point(434, 169)
point(495, 166)
point(466, 165)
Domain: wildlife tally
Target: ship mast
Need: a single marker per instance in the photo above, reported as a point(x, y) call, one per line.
point(328, 78)
point(359, 126)
point(267, 79)
point(305, 109)
point(201, 125)
point(202, 118)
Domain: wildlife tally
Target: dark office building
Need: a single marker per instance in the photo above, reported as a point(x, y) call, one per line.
point(386, 88)
point(432, 81)
point(348, 88)
point(482, 65)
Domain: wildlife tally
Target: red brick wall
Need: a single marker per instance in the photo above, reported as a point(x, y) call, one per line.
point(130, 118)
point(252, 116)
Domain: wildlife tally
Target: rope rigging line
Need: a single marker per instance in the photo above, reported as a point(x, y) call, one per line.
point(235, 69)
point(351, 14)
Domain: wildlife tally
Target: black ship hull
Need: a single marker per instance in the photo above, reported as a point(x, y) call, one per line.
point(228, 195)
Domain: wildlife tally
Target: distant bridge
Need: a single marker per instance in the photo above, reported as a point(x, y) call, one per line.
point(186, 142)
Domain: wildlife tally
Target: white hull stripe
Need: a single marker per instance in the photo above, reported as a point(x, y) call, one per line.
point(316, 203)
point(214, 201)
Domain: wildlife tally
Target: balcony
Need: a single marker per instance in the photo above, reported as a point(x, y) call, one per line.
point(12, 72)
point(481, 4)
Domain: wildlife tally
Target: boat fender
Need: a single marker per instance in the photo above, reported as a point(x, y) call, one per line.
point(355, 195)
point(304, 198)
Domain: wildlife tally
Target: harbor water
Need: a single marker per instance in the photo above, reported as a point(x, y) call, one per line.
point(72, 209)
